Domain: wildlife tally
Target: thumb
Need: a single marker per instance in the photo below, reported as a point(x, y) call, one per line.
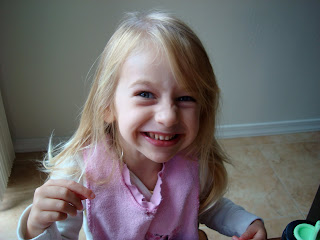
point(249, 234)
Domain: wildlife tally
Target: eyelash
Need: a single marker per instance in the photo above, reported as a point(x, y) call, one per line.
point(144, 93)
point(186, 99)
point(149, 95)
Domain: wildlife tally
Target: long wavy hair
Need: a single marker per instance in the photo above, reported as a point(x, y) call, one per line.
point(192, 69)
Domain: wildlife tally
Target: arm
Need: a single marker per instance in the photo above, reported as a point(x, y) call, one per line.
point(59, 189)
point(54, 201)
point(54, 213)
point(67, 229)
point(228, 218)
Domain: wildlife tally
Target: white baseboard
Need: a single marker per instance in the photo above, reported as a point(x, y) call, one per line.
point(223, 131)
point(267, 128)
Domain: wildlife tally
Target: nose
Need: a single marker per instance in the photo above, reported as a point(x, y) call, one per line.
point(167, 115)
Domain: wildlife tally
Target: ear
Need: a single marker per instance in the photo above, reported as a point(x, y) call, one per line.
point(109, 116)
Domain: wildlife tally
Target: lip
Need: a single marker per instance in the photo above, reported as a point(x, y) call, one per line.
point(162, 143)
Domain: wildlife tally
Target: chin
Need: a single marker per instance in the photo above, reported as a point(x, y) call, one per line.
point(158, 159)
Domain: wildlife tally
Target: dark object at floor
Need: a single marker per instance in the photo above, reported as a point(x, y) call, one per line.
point(314, 213)
point(288, 231)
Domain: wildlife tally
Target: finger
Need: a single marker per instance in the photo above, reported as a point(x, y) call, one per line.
point(59, 193)
point(261, 235)
point(52, 216)
point(75, 187)
point(235, 238)
point(55, 205)
point(247, 235)
point(81, 197)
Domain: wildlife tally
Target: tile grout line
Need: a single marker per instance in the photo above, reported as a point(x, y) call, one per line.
point(283, 186)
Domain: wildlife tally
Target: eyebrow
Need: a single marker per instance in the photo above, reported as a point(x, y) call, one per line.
point(140, 82)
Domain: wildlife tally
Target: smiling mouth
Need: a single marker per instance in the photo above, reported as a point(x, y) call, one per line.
point(161, 137)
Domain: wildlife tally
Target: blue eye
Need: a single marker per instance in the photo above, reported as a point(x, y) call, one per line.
point(186, 99)
point(146, 95)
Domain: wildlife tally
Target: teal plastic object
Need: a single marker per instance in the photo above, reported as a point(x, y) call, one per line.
point(306, 231)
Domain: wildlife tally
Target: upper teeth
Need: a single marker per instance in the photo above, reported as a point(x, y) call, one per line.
point(161, 137)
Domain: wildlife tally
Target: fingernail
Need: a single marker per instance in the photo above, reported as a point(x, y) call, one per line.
point(82, 206)
point(92, 196)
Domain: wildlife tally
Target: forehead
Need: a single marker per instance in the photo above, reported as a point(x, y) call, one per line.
point(145, 64)
point(151, 61)
point(146, 51)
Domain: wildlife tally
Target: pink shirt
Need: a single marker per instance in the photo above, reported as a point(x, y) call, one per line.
point(120, 211)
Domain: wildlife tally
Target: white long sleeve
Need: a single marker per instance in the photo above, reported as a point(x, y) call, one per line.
point(228, 218)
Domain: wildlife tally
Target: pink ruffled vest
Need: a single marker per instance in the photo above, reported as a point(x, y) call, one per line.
point(120, 211)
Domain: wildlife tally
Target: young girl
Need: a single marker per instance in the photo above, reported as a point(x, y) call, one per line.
point(144, 162)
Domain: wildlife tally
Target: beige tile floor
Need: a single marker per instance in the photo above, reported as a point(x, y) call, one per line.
point(275, 177)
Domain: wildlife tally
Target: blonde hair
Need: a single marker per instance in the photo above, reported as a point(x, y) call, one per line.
point(191, 68)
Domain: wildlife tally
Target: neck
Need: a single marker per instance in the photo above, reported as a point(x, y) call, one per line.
point(146, 170)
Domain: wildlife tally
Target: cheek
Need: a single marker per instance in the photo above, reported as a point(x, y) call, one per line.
point(193, 122)
point(196, 127)
point(196, 119)
point(130, 121)
point(196, 123)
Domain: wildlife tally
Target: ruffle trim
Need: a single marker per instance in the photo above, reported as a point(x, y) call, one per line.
point(155, 200)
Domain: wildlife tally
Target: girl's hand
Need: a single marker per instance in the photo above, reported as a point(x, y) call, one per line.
point(255, 231)
point(54, 201)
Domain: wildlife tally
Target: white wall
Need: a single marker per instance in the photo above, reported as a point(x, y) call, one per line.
point(265, 53)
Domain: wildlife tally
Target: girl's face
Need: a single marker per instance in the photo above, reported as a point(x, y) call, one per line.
point(156, 117)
